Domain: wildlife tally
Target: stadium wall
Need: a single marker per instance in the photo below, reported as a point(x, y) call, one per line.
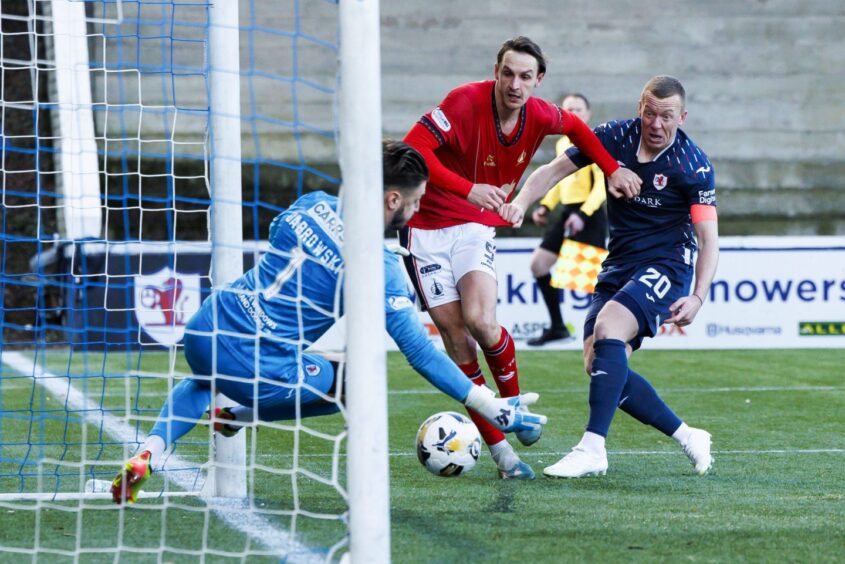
point(764, 82)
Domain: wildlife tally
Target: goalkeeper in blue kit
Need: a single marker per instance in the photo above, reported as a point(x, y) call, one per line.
point(247, 340)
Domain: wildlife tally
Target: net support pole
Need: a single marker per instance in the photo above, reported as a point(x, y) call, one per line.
point(366, 393)
point(82, 215)
point(229, 475)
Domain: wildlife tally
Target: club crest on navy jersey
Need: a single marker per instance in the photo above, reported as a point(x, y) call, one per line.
point(660, 181)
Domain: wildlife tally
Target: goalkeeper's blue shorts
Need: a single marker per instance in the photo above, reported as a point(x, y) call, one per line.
point(271, 386)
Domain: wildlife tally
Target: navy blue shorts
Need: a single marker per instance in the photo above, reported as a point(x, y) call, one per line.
point(646, 289)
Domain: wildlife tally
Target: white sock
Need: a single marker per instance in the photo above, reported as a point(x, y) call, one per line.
point(156, 446)
point(592, 442)
point(503, 455)
point(682, 434)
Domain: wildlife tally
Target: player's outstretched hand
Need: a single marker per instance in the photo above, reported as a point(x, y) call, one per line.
point(486, 196)
point(510, 415)
point(512, 213)
point(624, 183)
point(684, 310)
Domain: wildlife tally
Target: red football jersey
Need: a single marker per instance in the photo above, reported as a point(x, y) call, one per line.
point(472, 145)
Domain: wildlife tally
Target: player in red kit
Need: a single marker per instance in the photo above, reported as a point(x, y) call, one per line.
point(477, 143)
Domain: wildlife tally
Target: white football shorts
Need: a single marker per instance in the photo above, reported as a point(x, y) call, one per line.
point(440, 257)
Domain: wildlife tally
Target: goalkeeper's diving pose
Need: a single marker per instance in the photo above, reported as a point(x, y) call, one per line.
point(247, 339)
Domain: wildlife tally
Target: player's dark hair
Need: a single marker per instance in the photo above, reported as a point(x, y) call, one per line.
point(575, 95)
point(522, 44)
point(402, 166)
point(664, 86)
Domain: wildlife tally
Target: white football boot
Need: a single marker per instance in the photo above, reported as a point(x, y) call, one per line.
point(697, 449)
point(579, 463)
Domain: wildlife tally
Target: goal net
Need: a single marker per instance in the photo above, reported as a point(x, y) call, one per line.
point(145, 148)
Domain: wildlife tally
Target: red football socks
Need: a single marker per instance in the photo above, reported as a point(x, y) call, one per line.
point(501, 359)
point(489, 433)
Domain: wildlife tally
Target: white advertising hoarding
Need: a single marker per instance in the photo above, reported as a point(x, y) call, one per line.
point(768, 293)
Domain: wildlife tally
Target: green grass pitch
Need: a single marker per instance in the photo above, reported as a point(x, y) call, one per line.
point(775, 492)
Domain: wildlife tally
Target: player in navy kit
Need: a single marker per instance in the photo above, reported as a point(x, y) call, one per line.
point(646, 279)
point(257, 330)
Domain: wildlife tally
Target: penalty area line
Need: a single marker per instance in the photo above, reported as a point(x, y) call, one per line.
point(232, 512)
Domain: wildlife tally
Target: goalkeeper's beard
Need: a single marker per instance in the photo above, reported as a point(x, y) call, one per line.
point(397, 221)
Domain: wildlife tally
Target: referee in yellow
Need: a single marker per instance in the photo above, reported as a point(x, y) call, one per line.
point(583, 218)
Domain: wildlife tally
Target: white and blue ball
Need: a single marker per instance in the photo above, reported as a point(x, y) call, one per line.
point(448, 444)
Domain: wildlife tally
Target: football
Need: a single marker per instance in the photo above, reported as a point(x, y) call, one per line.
point(448, 444)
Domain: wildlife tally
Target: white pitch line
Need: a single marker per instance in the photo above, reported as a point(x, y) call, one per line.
point(233, 514)
point(738, 452)
point(720, 390)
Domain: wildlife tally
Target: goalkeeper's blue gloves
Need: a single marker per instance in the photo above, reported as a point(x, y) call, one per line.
point(510, 415)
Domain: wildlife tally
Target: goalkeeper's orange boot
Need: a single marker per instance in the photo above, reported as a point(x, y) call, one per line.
point(221, 415)
point(127, 484)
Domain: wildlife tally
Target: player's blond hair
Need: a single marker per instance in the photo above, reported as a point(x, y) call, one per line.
point(664, 86)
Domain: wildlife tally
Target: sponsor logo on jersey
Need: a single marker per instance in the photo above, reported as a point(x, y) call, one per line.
point(328, 220)
point(706, 196)
point(660, 181)
point(702, 169)
point(521, 158)
point(428, 269)
point(821, 328)
point(491, 161)
point(400, 302)
point(440, 119)
point(312, 369)
point(164, 302)
point(647, 201)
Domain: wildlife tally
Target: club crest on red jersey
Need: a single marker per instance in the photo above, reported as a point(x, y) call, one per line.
point(660, 181)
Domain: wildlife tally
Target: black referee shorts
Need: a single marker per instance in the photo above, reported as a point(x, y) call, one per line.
point(594, 232)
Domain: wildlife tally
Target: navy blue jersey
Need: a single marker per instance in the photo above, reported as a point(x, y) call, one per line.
point(656, 224)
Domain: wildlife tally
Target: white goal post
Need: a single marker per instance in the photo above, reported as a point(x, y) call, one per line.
point(366, 396)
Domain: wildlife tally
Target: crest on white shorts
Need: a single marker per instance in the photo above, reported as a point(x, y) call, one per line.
point(164, 302)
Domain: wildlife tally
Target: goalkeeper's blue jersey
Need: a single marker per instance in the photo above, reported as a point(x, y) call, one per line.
point(656, 224)
point(294, 295)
